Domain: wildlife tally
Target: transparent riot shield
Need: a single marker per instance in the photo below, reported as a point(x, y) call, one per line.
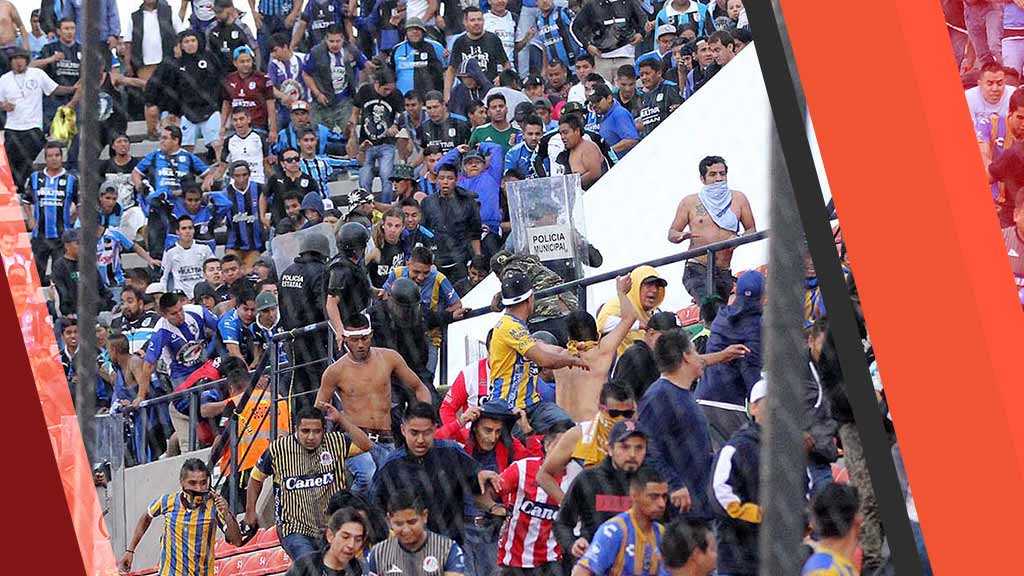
point(547, 221)
point(285, 247)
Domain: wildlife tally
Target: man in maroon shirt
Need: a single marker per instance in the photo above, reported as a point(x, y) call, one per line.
point(248, 88)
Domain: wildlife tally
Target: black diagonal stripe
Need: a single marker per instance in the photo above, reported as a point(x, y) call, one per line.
point(772, 44)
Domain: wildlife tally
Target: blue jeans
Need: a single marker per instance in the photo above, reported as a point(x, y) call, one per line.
point(1013, 53)
point(364, 466)
point(384, 156)
point(985, 28)
point(821, 476)
point(481, 548)
point(298, 545)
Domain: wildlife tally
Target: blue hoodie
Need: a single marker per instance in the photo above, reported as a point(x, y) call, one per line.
point(737, 323)
point(487, 184)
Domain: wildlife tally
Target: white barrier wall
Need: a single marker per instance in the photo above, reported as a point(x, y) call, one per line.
point(629, 210)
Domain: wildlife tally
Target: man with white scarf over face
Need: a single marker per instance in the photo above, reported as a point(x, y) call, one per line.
point(714, 214)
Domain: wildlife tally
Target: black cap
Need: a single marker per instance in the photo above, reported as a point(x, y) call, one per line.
point(573, 106)
point(515, 288)
point(663, 321)
point(70, 236)
point(533, 80)
point(542, 103)
point(523, 111)
point(624, 429)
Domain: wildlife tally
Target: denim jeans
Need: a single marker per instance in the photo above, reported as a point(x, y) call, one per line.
point(821, 476)
point(544, 415)
point(364, 466)
point(298, 545)
point(985, 28)
point(384, 156)
point(481, 548)
point(1013, 53)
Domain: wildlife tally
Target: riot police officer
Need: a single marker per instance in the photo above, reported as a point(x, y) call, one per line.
point(349, 290)
point(301, 291)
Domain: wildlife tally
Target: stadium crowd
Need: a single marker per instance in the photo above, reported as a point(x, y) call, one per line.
point(621, 444)
point(988, 44)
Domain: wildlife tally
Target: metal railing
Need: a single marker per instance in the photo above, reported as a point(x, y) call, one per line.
point(229, 434)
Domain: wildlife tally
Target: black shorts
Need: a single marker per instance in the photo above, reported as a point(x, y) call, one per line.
point(695, 280)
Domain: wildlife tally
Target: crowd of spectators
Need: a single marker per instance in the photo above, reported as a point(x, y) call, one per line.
point(621, 444)
point(988, 44)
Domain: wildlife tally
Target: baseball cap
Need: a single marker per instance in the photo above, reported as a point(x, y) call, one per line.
point(202, 290)
point(663, 321)
point(265, 301)
point(623, 430)
point(542, 103)
point(300, 105)
point(760, 390)
point(750, 284)
point(242, 50)
point(70, 236)
point(472, 155)
point(156, 288)
point(108, 185)
point(665, 29)
point(533, 80)
point(655, 279)
point(19, 53)
point(570, 107)
point(414, 22)
point(523, 111)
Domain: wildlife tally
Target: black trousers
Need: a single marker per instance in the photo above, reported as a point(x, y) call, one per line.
point(22, 148)
point(45, 251)
point(306, 379)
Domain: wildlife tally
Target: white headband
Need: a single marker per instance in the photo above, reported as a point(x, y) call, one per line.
point(351, 333)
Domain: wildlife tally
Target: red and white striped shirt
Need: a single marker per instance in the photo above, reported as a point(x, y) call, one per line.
point(469, 387)
point(528, 537)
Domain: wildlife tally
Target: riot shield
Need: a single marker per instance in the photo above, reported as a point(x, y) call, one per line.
point(285, 247)
point(547, 222)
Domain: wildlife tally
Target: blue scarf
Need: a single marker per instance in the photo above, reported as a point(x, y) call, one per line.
point(717, 200)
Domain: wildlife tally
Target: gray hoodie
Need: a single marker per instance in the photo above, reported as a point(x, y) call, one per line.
point(462, 96)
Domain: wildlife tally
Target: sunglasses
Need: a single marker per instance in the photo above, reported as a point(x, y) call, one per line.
point(621, 413)
point(290, 159)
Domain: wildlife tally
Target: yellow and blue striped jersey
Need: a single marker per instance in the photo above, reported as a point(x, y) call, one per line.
point(513, 376)
point(825, 562)
point(186, 547)
point(619, 547)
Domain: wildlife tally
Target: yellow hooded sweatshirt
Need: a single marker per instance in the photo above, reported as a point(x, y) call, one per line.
point(610, 312)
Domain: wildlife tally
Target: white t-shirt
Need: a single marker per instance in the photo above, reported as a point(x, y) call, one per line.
point(512, 98)
point(981, 109)
point(152, 43)
point(252, 149)
point(504, 27)
point(26, 92)
point(183, 267)
point(418, 9)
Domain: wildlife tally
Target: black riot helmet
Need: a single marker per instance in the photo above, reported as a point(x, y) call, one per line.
point(352, 239)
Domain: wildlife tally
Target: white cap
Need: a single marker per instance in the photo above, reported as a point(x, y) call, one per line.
point(759, 391)
point(156, 288)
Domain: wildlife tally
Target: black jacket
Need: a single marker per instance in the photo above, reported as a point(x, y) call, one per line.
point(455, 222)
point(188, 86)
point(590, 28)
point(408, 339)
point(595, 496)
point(818, 421)
point(64, 275)
point(350, 283)
point(737, 536)
point(302, 291)
point(168, 39)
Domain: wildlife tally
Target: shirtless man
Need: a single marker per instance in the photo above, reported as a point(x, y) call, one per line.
point(577, 391)
point(712, 215)
point(584, 157)
point(362, 378)
point(11, 26)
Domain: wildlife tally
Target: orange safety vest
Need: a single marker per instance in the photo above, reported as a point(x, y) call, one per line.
point(256, 413)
